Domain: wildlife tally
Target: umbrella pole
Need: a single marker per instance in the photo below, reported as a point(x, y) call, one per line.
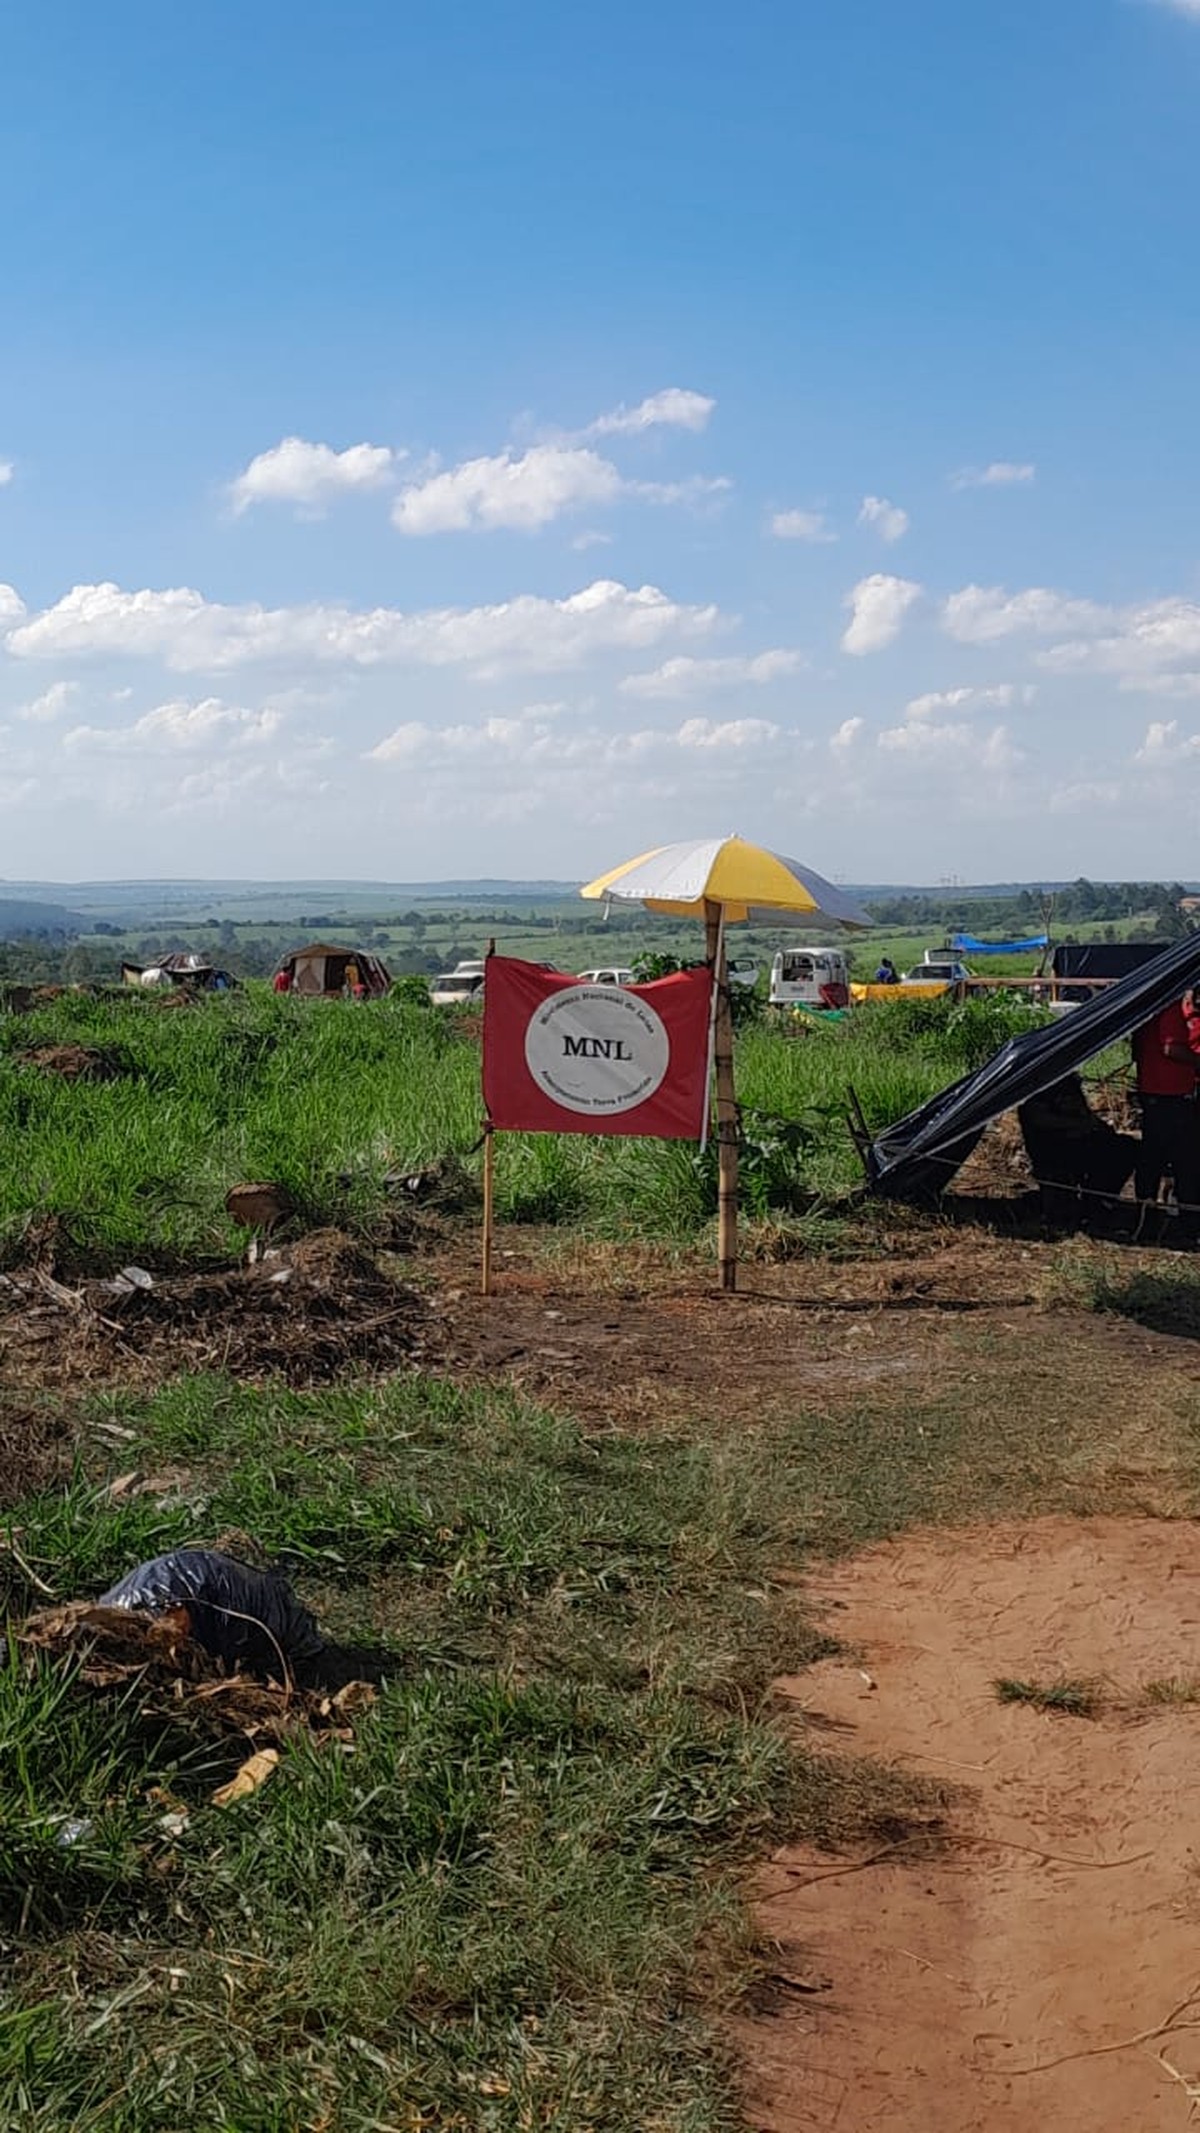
point(727, 1148)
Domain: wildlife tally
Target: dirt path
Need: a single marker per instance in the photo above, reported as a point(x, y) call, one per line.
point(983, 1983)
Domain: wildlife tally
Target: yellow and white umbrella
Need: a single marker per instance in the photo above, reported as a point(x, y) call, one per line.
point(748, 883)
point(726, 881)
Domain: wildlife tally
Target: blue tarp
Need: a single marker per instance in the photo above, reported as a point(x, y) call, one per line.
point(966, 944)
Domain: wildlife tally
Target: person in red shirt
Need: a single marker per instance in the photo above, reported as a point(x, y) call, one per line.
point(1167, 1057)
point(282, 981)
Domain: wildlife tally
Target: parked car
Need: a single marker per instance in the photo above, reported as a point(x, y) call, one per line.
point(614, 975)
point(810, 977)
point(938, 969)
point(457, 988)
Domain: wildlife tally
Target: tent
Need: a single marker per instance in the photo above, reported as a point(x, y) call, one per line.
point(185, 971)
point(918, 1156)
point(319, 971)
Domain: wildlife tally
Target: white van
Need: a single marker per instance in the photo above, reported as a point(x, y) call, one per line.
point(810, 977)
point(615, 975)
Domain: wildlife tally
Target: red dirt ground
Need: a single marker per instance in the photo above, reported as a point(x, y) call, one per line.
point(1038, 1965)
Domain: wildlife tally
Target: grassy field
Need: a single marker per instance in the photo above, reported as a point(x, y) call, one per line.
point(332, 1100)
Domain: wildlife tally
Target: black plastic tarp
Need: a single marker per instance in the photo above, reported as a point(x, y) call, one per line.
point(919, 1155)
point(1103, 959)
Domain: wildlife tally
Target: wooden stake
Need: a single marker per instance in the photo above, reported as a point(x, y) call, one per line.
point(489, 1173)
point(727, 1148)
point(859, 1130)
point(489, 1150)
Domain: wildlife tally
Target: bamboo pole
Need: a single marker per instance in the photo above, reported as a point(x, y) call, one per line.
point(489, 1174)
point(727, 1149)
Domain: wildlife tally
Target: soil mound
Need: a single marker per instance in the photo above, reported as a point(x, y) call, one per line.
point(76, 1062)
point(306, 1314)
point(1038, 1964)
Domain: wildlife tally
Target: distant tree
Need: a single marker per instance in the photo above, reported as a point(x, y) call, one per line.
point(77, 965)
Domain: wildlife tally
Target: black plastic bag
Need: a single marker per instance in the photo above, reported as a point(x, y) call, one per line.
point(249, 1618)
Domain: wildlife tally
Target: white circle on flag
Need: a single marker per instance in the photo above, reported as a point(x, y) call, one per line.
point(597, 1049)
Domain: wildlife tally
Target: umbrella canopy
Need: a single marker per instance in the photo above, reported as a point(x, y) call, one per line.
point(750, 884)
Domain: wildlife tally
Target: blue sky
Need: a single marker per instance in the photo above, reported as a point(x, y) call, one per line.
point(488, 440)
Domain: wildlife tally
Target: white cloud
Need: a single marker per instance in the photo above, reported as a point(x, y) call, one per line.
point(1165, 745)
point(531, 739)
point(7, 470)
point(847, 733)
point(688, 677)
point(1089, 797)
point(1001, 474)
point(56, 700)
point(1141, 646)
point(675, 408)
point(982, 614)
point(934, 726)
point(525, 492)
point(1190, 8)
point(732, 733)
point(878, 606)
point(889, 520)
point(12, 607)
point(312, 475)
point(591, 539)
point(1137, 644)
point(808, 526)
point(994, 751)
point(191, 634)
point(180, 727)
point(940, 701)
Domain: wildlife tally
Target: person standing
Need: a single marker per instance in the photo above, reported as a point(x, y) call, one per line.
point(1166, 1054)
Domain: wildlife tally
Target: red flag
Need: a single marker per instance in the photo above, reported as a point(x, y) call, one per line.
point(560, 1056)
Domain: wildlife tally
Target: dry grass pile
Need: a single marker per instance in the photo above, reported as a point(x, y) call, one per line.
point(76, 1062)
point(156, 1660)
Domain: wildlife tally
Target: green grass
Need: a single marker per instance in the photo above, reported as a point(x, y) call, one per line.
point(1072, 1698)
point(1167, 1300)
point(328, 1099)
point(516, 1902)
